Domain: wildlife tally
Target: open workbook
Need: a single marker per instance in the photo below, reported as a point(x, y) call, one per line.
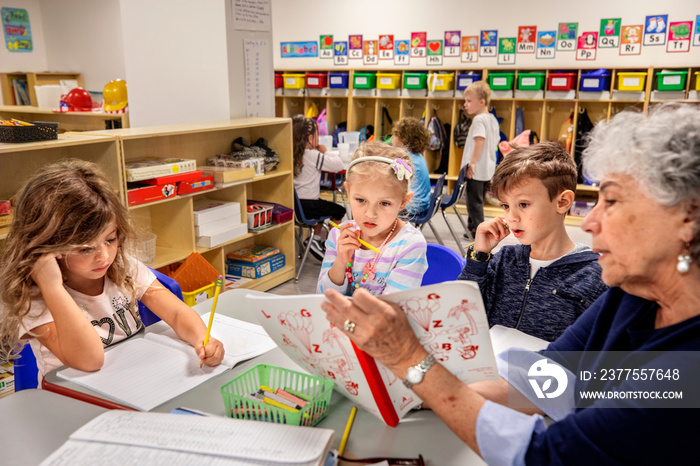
point(174, 439)
point(143, 373)
point(448, 318)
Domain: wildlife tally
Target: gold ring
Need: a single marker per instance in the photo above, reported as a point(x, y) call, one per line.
point(349, 326)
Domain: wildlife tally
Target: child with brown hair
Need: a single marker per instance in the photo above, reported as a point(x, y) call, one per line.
point(378, 184)
point(544, 284)
point(409, 133)
point(67, 282)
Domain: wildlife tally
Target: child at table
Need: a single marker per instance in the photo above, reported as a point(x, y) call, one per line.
point(412, 135)
point(544, 284)
point(310, 159)
point(67, 283)
point(377, 182)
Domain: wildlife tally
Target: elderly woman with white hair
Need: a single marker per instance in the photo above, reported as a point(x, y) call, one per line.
point(635, 351)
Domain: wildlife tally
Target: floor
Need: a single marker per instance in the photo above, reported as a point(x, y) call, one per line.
point(312, 267)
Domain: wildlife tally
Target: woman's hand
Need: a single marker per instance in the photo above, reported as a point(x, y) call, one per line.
point(381, 329)
point(212, 354)
point(489, 234)
point(46, 272)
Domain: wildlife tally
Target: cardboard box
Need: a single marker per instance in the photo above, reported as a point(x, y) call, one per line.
point(257, 269)
point(139, 194)
point(152, 167)
point(7, 379)
point(194, 185)
point(215, 239)
point(173, 179)
point(210, 210)
point(5, 207)
point(224, 223)
point(228, 174)
point(254, 254)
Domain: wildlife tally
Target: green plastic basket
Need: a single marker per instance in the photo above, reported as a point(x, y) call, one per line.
point(240, 407)
point(671, 80)
point(531, 81)
point(415, 80)
point(501, 81)
point(364, 80)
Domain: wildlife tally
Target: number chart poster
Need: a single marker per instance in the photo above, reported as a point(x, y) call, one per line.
point(18, 32)
point(299, 49)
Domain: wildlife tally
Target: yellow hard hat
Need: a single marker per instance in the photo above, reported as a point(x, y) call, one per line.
point(114, 95)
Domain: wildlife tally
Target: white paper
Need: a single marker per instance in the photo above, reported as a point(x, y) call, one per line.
point(172, 439)
point(251, 15)
point(258, 79)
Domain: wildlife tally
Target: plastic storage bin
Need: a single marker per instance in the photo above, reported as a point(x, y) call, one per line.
point(294, 81)
point(697, 80)
point(561, 82)
point(531, 81)
point(316, 80)
point(441, 81)
point(415, 80)
point(316, 390)
point(364, 80)
point(465, 79)
point(338, 80)
point(388, 80)
point(595, 81)
point(671, 80)
point(502, 81)
point(631, 80)
point(279, 81)
point(199, 295)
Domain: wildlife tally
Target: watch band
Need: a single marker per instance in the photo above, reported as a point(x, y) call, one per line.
point(478, 255)
point(419, 370)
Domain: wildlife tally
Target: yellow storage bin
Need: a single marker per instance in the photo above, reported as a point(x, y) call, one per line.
point(631, 81)
point(697, 80)
point(388, 80)
point(441, 82)
point(198, 296)
point(294, 80)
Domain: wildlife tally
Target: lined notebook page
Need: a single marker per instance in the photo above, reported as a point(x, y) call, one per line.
point(143, 374)
point(207, 437)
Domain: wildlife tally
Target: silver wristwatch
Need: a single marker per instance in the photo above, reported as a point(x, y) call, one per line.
point(415, 374)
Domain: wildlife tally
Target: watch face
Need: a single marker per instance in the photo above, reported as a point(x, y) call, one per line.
point(414, 375)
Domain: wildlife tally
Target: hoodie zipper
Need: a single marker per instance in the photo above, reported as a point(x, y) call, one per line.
point(527, 290)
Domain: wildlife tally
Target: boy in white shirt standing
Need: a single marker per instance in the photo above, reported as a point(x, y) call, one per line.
point(479, 150)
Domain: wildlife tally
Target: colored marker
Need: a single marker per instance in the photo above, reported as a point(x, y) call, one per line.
point(358, 239)
point(298, 394)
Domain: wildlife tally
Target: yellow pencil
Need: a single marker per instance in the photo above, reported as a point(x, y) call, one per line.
point(219, 282)
point(346, 434)
point(358, 239)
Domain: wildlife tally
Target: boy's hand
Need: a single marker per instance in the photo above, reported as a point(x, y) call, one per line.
point(212, 354)
point(470, 171)
point(489, 234)
point(46, 272)
point(347, 243)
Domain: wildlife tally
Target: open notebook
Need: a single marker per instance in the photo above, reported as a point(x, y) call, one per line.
point(159, 438)
point(143, 373)
point(449, 319)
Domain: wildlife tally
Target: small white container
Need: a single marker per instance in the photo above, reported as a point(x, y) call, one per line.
point(326, 141)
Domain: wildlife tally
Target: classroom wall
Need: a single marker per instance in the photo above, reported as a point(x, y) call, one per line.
point(306, 20)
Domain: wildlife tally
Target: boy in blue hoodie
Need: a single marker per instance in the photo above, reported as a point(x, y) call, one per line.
point(544, 284)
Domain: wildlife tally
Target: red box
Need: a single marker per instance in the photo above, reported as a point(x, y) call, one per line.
point(172, 179)
point(259, 216)
point(316, 80)
point(561, 82)
point(280, 213)
point(279, 80)
point(194, 185)
point(139, 194)
point(5, 207)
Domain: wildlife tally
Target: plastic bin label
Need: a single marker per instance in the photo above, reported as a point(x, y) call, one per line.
point(291, 81)
point(671, 80)
point(630, 82)
point(528, 81)
point(466, 82)
point(590, 82)
point(500, 81)
point(361, 80)
point(385, 81)
point(413, 81)
point(312, 81)
point(336, 80)
point(559, 82)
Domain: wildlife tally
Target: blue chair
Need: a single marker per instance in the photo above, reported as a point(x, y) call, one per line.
point(435, 200)
point(302, 223)
point(26, 371)
point(444, 264)
point(450, 200)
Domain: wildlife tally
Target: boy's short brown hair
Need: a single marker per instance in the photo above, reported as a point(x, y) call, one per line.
point(412, 133)
point(481, 90)
point(546, 161)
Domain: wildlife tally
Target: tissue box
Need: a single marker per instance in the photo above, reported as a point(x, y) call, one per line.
point(256, 269)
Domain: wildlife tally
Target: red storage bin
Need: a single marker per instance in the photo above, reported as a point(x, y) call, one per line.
point(316, 80)
point(561, 82)
point(279, 81)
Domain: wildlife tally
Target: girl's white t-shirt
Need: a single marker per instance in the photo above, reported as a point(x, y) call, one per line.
point(112, 313)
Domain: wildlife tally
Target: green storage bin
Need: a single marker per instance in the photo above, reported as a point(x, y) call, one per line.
point(501, 81)
point(364, 80)
point(415, 80)
point(531, 81)
point(671, 80)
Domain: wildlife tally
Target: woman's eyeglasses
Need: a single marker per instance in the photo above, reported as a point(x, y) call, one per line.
point(392, 461)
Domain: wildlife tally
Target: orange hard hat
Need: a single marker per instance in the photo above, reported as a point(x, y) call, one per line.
point(77, 100)
point(114, 95)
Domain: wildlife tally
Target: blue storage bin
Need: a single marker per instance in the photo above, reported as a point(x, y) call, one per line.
point(595, 81)
point(338, 80)
point(464, 80)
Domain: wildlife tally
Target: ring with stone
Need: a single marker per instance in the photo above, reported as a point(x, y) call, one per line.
point(349, 326)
